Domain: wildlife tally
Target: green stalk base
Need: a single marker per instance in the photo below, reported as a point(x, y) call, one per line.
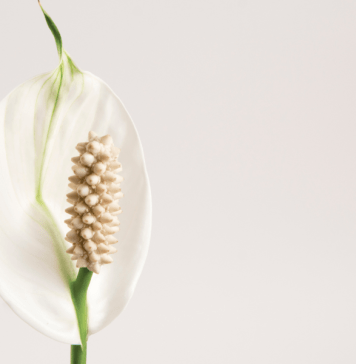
point(77, 355)
point(78, 290)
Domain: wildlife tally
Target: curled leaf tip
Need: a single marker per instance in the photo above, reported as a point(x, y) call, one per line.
point(53, 28)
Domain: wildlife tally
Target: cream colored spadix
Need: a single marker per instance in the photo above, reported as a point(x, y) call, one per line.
point(95, 220)
point(41, 123)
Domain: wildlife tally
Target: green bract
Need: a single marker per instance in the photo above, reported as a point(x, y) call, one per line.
point(41, 122)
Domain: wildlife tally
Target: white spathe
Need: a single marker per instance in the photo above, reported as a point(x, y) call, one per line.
point(41, 122)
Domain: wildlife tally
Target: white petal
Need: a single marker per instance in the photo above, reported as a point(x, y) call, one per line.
point(31, 281)
point(42, 121)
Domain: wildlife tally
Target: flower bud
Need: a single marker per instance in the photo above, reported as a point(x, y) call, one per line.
point(83, 190)
point(94, 147)
point(92, 199)
point(80, 171)
point(87, 159)
point(93, 179)
point(99, 168)
point(88, 219)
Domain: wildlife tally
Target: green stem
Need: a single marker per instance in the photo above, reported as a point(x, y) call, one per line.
point(77, 355)
point(78, 290)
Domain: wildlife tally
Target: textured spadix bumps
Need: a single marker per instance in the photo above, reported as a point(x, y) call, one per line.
point(95, 196)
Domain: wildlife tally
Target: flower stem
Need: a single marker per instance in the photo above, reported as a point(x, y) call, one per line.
point(79, 290)
point(77, 355)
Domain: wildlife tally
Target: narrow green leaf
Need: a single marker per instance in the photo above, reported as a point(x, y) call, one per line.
point(54, 30)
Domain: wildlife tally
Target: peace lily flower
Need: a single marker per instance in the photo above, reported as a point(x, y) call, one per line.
point(42, 121)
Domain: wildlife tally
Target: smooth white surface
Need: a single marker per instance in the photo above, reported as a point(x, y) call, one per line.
point(246, 111)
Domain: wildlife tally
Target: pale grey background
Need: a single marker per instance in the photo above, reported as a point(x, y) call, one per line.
point(246, 111)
